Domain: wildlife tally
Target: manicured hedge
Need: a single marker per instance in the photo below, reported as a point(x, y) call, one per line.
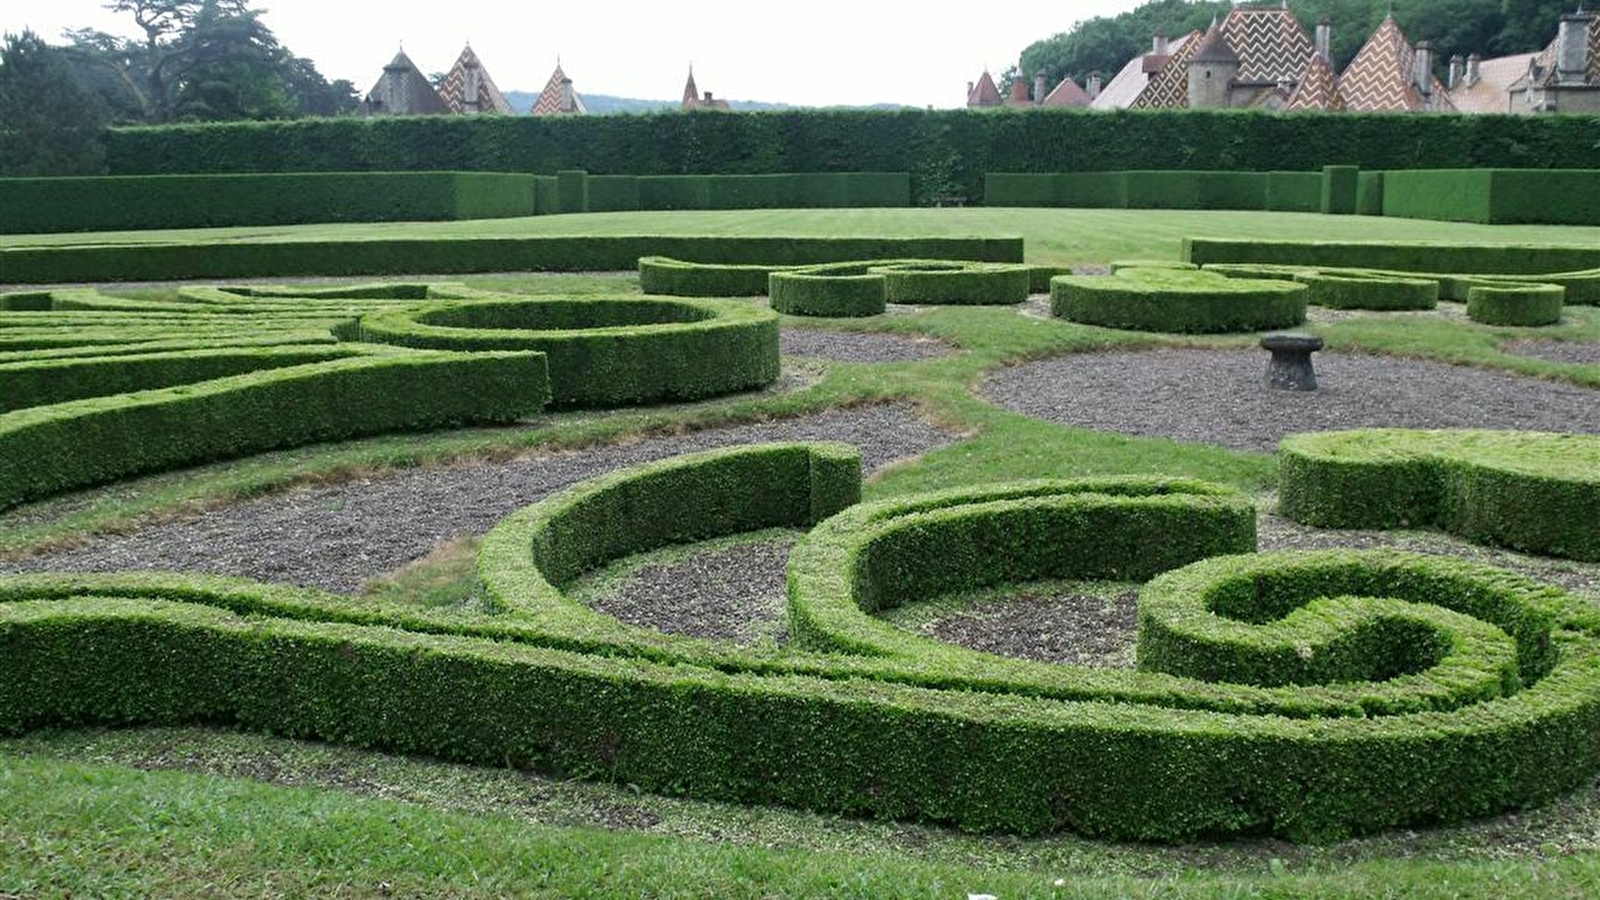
point(1494, 259)
point(1341, 189)
point(49, 449)
point(676, 278)
point(940, 283)
point(1287, 191)
point(605, 351)
point(1345, 288)
point(844, 290)
point(129, 203)
point(152, 262)
point(1482, 688)
point(1524, 305)
point(1539, 493)
point(1496, 196)
point(946, 152)
point(809, 190)
point(1175, 300)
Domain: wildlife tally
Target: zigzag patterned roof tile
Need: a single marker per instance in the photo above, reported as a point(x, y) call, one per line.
point(454, 89)
point(1270, 43)
point(1169, 88)
point(1380, 79)
point(552, 100)
point(1319, 89)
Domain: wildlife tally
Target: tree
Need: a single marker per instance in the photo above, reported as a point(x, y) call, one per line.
point(49, 124)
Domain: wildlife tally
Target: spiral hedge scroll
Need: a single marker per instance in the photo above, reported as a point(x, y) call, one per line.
point(1306, 694)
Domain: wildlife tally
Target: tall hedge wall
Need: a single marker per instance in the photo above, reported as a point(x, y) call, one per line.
point(44, 205)
point(946, 151)
point(1283, 191)
point(1496, 196)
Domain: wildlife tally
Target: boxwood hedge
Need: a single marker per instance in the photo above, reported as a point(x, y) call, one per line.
point(1535, 492)
point(1356, 690)
point(605, 351)
point(841, 290)
point(1176, 300)
point(1516, 304)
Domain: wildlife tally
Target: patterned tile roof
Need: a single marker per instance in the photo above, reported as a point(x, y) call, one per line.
point(553, 99)
point(984, 93)
point(1067, 93)
point(1380, 79)
point(1270, 44)
point(1318, 88)
point(454, 90)
point(1169, 88)
point(1126, 86)
point(402, 90)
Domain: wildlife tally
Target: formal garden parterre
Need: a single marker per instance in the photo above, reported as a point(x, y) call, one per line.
point(1313, 695)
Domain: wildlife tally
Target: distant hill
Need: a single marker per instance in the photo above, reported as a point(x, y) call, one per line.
point(607, 105)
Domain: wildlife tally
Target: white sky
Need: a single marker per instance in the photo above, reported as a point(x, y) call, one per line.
point(820, 52)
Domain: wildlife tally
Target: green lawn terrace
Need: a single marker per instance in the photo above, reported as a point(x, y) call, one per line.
point(935, 399)
point(1053, 236)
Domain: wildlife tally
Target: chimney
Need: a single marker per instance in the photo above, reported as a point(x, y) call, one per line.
point(472, 91)
point(566, 96)
point(970, 86)
point(1039, 85)
point(1572, 48)
point(1458, 72)
point(1094, 85)
point(1472, 69)
point(1424, 68)
point(1159, 46)
point(709, 99)
point(1019, 93)
point(1325, 39)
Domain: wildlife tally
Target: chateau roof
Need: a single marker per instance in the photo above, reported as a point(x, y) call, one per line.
point(1544, 72)
point(1214, 47)
point(1067, 93)
point(553, 99)
point(403, 90)
point(1380, 78)
point(985, 93)
point(1318, 88)
point(1270, 44)
point(1126, 86)
point(1491, 92)
point(1169, 88)
point(454, 89)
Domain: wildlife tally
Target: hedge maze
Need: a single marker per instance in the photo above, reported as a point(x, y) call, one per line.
point(846, 289)
point(1539, 493)
point(101, 388)
point(1311, 695)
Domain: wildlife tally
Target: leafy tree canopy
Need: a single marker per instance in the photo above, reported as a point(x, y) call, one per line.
point(49, 122)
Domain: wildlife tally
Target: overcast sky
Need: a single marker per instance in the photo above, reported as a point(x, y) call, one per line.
point(819, 52)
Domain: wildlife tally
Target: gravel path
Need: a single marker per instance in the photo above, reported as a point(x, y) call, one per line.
point(1217, 396)
point(1048, 626)
point(338, 536)
point(1555, 351)
point(733, 593)
point(859, 346)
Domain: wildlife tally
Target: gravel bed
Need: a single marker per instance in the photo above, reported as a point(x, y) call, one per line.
point(859, 346)
point(1218, 396)
point(1052, 626)
point(1555, 351)
point(732, 593)
point(337, 536)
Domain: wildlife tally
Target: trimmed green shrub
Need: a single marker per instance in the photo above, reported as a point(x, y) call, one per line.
point(1471, 690)
point(572, 191)
point(1369, 194)
point(1534, 492)
point(1497, 259)
point(1287, 191)
point(844, 290)
point(43, 205)
point(153, 262)
point(936, 282)
point(1118, 265)
point(1349, 290)
point(1340, 190)
point(809, 190)
point(676, 278)
point(48, 449)
point(1525, 305)
point(1496, 196)
point(605, 351)
point(1180, 301)
point(1039, 277)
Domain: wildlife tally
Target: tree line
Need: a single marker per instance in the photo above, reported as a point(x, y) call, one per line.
point(196, 61)
point(1486, 27)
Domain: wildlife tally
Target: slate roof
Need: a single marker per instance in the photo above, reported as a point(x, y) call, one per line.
point(403, 90)
point(454, 89)
point(1379, 79)
point(551, 99)
point(984, 93)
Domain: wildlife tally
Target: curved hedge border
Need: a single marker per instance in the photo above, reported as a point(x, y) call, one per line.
point(1175, 300)
point(1531, 491)
point(939, 283)
point(1495, 706)
point(846, 290)
point(605, 351)
point(665, 276)
point(925, 281)
point(1346, 288)
point(1526, 305)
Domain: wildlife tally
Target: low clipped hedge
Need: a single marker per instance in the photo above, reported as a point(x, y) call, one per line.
point(443, 256)
point(48, 449)
point(941, 283)
point(1173, 300)
point(1516, 304)
point(1482, 688)
point(144, 202)
point(1534, 492)
point(605, 351)
point(845, 290)
point(1369, 291)
point(1488, 259)
point(677, 278)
